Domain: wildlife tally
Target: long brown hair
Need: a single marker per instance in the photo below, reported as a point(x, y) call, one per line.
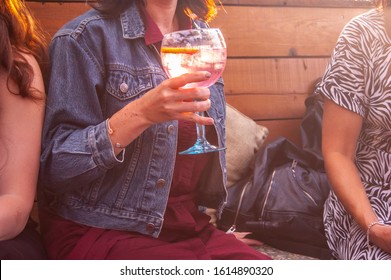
point(20, 33)
point(201, 9)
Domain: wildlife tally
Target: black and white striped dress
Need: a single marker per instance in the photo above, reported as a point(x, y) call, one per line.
point(358, 78)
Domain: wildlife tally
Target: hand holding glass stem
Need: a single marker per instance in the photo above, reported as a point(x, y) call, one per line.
point(193, 50)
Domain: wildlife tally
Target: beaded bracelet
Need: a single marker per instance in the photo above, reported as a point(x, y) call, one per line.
point(378, 222)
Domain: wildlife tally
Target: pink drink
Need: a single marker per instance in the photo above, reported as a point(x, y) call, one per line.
point(193, 50)
point(180, 60)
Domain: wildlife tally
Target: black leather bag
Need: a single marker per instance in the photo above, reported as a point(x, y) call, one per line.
point(281, 201)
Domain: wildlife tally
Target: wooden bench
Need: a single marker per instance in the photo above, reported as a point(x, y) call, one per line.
point(276, 51)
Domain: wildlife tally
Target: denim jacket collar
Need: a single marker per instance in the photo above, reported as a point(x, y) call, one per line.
point(132, 22)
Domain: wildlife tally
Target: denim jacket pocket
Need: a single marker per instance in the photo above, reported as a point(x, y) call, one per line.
point(126, 84)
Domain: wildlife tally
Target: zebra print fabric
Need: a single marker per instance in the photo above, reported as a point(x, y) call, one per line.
point(358, 78)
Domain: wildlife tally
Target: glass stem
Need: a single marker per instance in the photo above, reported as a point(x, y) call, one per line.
point(200, 129)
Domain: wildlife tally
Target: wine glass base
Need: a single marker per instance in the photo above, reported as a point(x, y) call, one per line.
point(201, 148)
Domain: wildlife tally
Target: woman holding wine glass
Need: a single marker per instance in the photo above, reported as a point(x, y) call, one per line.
point(112, 183)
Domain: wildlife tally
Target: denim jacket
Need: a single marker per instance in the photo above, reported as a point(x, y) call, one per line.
point(98, 65)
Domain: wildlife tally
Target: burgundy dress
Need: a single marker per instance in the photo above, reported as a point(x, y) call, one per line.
point(186, 234)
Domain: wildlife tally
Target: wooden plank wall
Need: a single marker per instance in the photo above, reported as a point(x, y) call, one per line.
point(276, 51)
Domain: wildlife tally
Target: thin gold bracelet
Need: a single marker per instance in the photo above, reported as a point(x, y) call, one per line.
point(118, 145)
point(378, 222)
point(111, 131)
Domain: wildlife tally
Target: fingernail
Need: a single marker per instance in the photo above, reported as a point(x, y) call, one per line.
point(208, 75)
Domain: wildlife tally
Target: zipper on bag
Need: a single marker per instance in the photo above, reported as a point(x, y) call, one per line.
point(232, 229)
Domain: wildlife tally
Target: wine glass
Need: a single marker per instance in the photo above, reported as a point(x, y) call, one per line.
point(193, 50)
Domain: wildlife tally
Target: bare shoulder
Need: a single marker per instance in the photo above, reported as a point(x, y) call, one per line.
point(37, 82)
point(9, 89)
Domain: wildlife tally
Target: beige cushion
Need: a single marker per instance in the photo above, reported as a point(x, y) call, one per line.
point(244, 137)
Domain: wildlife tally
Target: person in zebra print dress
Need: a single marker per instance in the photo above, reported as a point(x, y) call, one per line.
point(357, 138)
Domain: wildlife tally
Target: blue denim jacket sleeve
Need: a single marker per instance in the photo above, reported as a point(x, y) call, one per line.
point(74, 152)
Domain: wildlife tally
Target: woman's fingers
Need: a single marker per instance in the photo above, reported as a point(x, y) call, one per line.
point(196, 118)
point(190, 106)
point(242, 236)
point(171, 101)
point(187, 111)
point(181, 81)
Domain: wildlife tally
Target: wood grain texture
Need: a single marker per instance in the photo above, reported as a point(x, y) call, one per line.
point(276, 52)
point(262, 32)
point(269, 107)
point(52, 16)
point(282, 31)
point(272, 76)
point(289, 129)
point(301, 3)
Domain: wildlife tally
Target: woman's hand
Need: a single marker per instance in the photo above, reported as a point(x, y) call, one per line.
point(170, 101)
point(242, 236)
point(380, 235)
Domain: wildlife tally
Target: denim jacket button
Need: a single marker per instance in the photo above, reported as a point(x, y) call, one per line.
point(123, 87)
point(170, 128)
point(160, 183)
point(150, 227)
